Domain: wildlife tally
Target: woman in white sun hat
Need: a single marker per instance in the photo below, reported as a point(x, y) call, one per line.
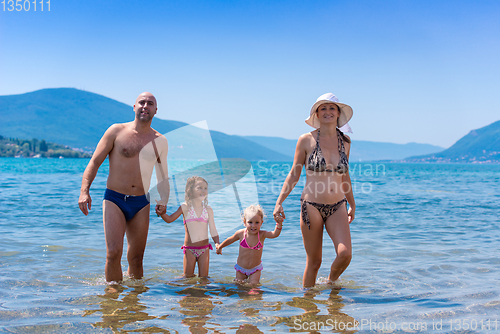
point(325, 153)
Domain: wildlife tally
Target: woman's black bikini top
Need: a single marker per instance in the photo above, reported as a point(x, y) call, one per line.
point(317, 163)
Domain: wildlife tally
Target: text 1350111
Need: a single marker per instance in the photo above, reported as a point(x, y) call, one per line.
point(25, 5)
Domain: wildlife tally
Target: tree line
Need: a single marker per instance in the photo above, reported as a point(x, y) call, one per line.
point(31, 148)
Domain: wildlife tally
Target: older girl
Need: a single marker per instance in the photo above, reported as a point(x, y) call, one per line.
point(198, 219)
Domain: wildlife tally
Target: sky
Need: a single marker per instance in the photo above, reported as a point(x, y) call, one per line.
point(412, 70)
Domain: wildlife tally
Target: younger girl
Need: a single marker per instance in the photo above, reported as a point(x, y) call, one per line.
point(198, 217)
point(249, 263)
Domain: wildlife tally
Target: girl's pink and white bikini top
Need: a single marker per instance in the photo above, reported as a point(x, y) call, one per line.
point(244, 242)
point(191, 215)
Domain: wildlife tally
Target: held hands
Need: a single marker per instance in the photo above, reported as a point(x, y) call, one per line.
point(278, 213)
point(350, 214)
point(160, 209)
point(85, 203)
point(218, 249)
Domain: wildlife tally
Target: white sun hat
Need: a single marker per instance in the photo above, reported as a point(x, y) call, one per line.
point(345, 111)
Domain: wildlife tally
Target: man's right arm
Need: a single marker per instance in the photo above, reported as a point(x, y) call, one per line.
point(102, 150)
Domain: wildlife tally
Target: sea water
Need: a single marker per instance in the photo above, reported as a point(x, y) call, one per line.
point(426, 258)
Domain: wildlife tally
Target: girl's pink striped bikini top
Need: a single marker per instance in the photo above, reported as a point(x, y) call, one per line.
point(191, 215)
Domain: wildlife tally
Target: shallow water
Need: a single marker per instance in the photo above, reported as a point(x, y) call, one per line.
point(425, 258)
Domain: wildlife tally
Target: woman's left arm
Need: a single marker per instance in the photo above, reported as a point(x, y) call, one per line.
point(347, 186)
point(276, 232)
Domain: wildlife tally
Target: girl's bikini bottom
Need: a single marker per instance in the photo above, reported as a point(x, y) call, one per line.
point(248, 272)
point(197, 251)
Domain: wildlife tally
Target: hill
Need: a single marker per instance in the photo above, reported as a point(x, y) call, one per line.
point(360, 150)
point(478, 146)
point(78, 119)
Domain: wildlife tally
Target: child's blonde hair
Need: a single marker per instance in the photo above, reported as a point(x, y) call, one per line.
point(188, 193)
point(251, 211)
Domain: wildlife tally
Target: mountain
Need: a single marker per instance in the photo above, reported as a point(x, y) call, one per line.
point(65, 116)
point(478, 146)
point(360, 150)
point(278, 144)
point(78, 119)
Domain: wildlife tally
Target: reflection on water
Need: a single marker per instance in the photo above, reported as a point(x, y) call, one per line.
point(197, 306)
point(120, 310)
point(312, 321)
point(248, 329)
point(205, 306)
point(199, 302)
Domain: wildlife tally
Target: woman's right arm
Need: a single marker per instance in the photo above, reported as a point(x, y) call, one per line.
point(293, 176)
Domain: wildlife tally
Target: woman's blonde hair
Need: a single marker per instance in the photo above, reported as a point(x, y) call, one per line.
point(188, 193)
point(251, 211)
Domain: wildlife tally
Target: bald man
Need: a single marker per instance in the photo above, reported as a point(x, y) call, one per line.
point(133, 148)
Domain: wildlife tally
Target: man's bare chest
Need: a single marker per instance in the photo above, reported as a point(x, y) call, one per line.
point(130, 145)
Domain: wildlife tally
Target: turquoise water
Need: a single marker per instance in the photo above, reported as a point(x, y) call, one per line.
point(426, 242)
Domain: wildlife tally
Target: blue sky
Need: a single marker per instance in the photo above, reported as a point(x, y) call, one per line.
point(413, 71)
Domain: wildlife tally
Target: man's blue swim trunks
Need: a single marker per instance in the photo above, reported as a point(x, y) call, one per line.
point(129, 204)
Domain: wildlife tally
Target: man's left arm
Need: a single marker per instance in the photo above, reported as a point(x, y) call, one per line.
point(161, 167)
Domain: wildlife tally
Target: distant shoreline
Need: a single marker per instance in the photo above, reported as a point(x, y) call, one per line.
point(291, 161)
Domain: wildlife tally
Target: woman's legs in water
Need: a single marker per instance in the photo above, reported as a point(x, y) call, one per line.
point(337, 226)
point(313, 244)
